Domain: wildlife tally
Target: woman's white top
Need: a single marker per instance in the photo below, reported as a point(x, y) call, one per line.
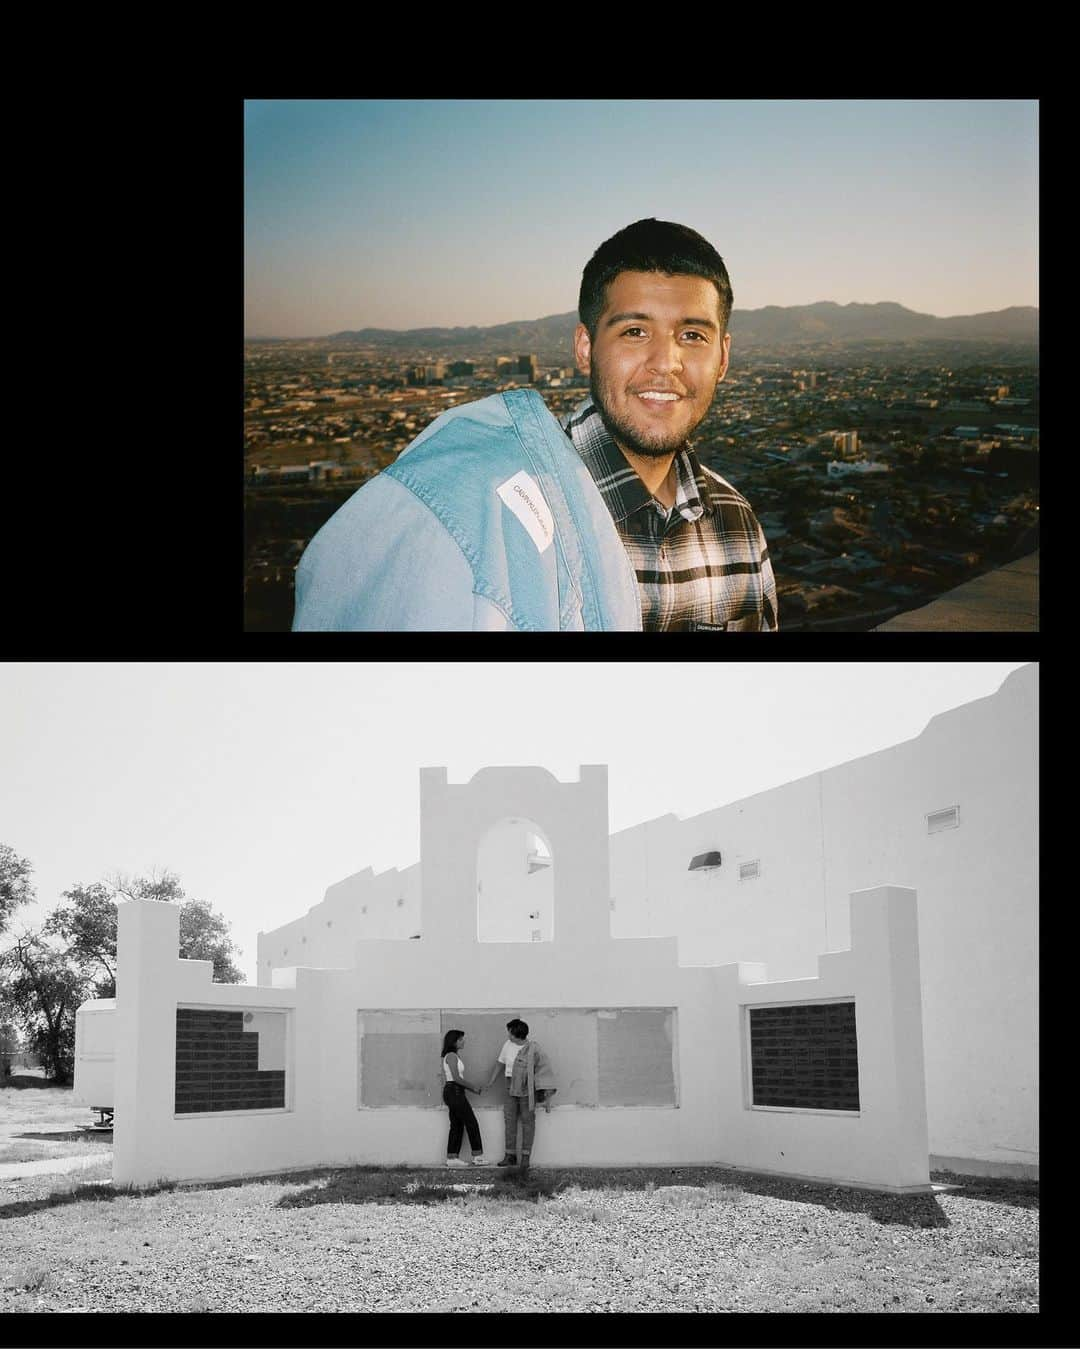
point(447, 1072)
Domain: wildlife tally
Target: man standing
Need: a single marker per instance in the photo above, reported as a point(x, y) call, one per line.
point(654, 306)
point(497, 518)
point(528, 1079)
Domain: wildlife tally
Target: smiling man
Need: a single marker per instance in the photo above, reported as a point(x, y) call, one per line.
point(654, 307)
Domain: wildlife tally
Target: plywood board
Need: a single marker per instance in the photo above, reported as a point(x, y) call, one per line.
point(608, 1057)
point(635, 1056)
point(399, 1063)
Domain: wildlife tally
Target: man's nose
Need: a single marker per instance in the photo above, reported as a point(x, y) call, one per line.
point(664, 355)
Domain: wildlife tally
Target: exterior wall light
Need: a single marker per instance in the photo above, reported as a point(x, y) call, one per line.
point(704, 861)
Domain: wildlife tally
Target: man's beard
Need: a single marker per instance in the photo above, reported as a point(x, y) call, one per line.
point(658, 447)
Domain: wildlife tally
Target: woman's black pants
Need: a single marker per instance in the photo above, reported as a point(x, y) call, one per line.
point(461, 1119)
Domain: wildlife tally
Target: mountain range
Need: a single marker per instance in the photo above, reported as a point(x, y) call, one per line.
point(773, 326)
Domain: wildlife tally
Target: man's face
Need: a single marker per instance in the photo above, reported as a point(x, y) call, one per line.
point(656, 360)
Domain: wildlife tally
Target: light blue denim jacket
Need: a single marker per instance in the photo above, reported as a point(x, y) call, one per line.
point(487, 521)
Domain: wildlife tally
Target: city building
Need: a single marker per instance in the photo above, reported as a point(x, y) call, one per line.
point(839, 470)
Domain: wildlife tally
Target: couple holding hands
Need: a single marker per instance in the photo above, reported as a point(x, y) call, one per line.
point(529, 1079)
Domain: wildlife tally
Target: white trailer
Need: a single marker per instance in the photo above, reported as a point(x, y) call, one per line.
point(95, 1058)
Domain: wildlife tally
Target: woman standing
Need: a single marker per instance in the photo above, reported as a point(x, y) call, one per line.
point(461, 1112)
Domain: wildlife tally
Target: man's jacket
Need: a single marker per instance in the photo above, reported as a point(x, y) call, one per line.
point(487, 521)
point(532, 1072)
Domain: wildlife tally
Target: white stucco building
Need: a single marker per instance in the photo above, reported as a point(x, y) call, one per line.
point(951, 815)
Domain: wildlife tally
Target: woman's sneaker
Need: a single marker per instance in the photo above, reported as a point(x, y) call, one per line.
point(455, 1161)
point(478, 1160)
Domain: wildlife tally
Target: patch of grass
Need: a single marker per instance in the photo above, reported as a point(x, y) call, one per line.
point(28, 1279)
point(1006, 1247)
point(576, 1205)
point(43, 1107)
point(725, 1194)
point(22, 1152)
point(72, 1191)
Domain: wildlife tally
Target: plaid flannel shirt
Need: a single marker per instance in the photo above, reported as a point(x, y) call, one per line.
point(702, 566)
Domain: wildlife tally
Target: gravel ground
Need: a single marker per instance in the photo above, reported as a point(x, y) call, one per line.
point(692, 1240)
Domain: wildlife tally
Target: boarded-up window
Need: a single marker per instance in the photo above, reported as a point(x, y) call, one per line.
point(399, 1060)
point(805, 1056)
point(634, 1056)
point(622, 1057)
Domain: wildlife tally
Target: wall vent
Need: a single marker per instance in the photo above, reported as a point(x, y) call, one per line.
point(536, 935)
point(943, 819)
point(749, 871)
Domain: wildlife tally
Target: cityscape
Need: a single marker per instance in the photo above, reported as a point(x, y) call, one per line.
point(884, 472)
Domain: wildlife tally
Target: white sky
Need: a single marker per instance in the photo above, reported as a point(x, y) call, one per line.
point(262, 784)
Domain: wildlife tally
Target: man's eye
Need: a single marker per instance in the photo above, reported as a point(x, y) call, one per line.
point(698, 337)
point(632, 332)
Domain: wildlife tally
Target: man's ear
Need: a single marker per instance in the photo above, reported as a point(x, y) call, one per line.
point(727, 357)
point(582, 348)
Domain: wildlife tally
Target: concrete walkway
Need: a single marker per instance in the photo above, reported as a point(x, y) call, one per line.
point(1005, 600)
point(46, 1165)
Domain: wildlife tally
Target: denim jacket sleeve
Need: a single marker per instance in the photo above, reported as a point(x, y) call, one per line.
point(488, 520)
point(384, 563)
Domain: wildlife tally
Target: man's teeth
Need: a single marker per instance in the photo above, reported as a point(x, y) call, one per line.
point(659, 397)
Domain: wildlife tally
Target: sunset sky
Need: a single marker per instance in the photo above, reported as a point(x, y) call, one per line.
point(402, 214)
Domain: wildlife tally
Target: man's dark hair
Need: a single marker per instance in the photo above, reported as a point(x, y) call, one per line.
point(518, 1028)
point(651, 246)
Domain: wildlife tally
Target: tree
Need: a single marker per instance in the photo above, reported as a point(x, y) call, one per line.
point(45, 975)
point(87, 925)
point(43, 988)
point(204, 935)
point(15, 886)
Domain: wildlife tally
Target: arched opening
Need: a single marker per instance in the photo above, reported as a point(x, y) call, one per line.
point(515, 872)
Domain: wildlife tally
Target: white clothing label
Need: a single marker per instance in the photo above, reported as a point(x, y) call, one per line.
point(522, 495)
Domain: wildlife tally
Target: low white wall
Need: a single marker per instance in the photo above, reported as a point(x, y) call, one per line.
point(883, 1146)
